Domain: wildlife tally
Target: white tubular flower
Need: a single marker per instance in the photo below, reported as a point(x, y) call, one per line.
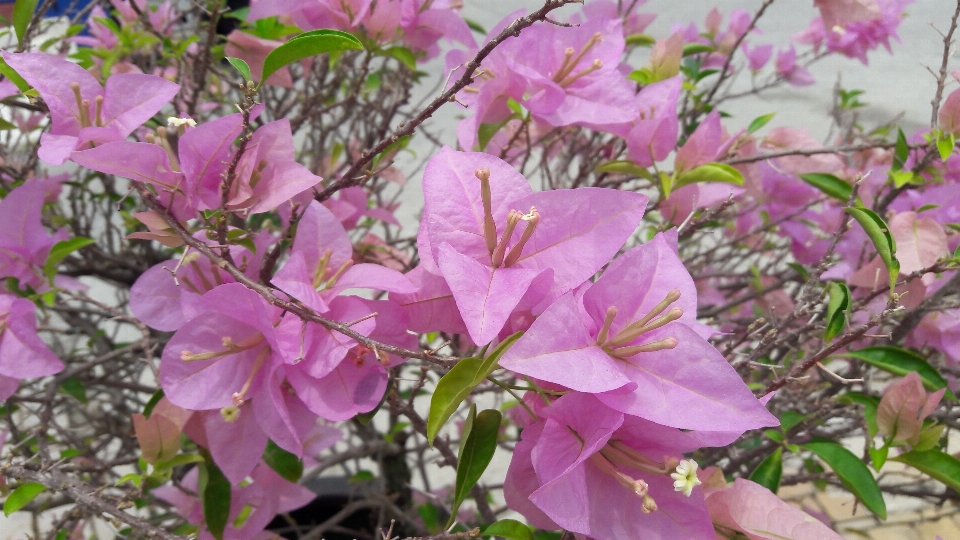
point(173, 121)
point(685, 477)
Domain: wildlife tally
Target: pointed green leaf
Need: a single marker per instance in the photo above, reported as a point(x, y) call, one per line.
point(759, 122)
point(486, 131)
point(14, 77)
point(510, 529)
point(929, 437)
point(829, 184)
point(241, 66)
point(642, 40)
point(879, 233)
point(478, 449)
point(214, 490)
point(154, 399)
point(902, 178)
point(769, 471)
point(22, 496)
point(178, 460)
point(306, 45)
point(900, 362)
point(60, 250)
point(945, 144)
point(697, 48)
point(853, 473)
point(901, 151)
point(710, 172)
point(878, 456)
point(457, 384)
point(404, 55)
point(624, 166)
point(789, 419)
point(475, 26)
point(870, 405)
point(6, 125)
point(22, 13)
point(73, 387)
point(935, 464)
point(837, 307)
point(284, 463)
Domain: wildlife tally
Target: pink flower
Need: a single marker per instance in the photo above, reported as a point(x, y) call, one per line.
point(496, 243)
point(788, 69)
point(83, 112)
point(23, 354)
point(593, 471)
point(639, 347)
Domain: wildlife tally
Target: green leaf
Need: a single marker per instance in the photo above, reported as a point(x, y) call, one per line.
point(945, 144)
point(929, 437)
point(306, 45)
point(154, 399)
point(214, 490)
point(73, 387)
point(60, 251)
point(133, 478)
point(829, 184)
point(697, 48)
point(769, 471)
point(6, 125)
point(284, 463)
point(22, 497)
point(901, 151)
point(902, 178)
point(900, 362)
point(935, 464)
point(624, 166)
point(641, 40)
point(178, 460)
point(486, 131)
point(710, 172)
point(240, 65)
point(870, 405)
point(475, 26)
point(837, 307)
point(641, 76)
point(22, 13)
point(878, 456)
point(457, 384)
point(759, 122)
point(404, 55)
point(14, 77)
point(853, 473)
point(510, 529)
point(476, 452)
point(789, 419)
point(879, 233)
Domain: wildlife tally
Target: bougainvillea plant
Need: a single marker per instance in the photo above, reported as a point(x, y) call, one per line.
point(614, 312)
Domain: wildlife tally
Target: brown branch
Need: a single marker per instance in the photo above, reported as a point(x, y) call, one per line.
point(350, 177)
point(86, 495)
point(270, 295)
point(942, 77)
point(725, 70)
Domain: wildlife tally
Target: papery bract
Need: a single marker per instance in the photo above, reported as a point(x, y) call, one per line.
point(569, 233)
point(751, 509)
point(904, 406)
point(621, 346)
point(81, 111)
point(22, 353)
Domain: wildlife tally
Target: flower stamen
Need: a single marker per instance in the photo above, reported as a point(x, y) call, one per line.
point(532, 219)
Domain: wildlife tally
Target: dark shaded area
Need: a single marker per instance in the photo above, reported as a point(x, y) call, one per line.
point(333, 494)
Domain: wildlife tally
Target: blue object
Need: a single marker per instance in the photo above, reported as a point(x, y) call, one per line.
point(60, 7)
